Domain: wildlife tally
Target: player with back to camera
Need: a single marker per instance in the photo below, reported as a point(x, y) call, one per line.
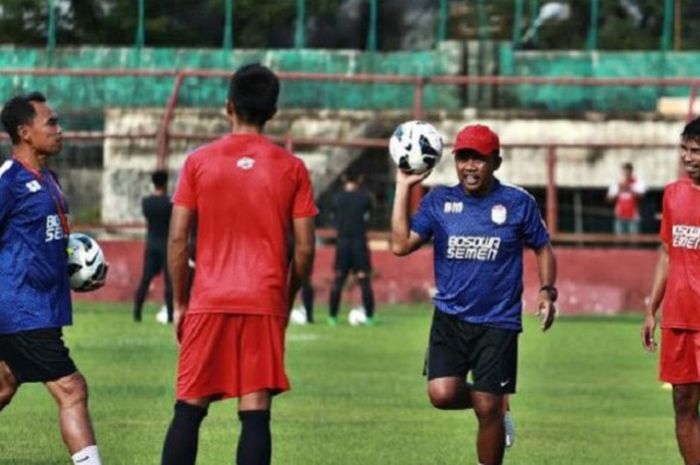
point(247, 193)
point(677, 284)
point(35, 300)
point(479, 228)
point(156, 209)
point(351, 208)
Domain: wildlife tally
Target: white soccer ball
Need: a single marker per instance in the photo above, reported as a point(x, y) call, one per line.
point(86, 262)
point(357, 316)
point(298, 316)
point(415, 147)
point(162, 315)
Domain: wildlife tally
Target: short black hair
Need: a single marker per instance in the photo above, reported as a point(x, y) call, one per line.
point(253, 91)
point(159, 178)
point(628, 166)
point(18, 111)
point(692, 130)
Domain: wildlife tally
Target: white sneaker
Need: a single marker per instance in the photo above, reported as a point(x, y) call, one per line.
point(509, 426)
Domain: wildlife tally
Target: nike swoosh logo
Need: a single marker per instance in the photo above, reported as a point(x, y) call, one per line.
point(91, 262)
point(82, 459)
point(503, 383)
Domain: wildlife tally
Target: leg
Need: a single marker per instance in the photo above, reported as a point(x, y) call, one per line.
point(182, 438)
point(151, 267)
point(168, 288)
point(685, 406)
point(336, 291)
point(307, 298)
point(490, 438)
point(449, 393)
point(71, 395)
point(367, 294)
point(255, 441)
point(8, 385)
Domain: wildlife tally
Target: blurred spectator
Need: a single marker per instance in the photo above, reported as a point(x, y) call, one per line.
point(156, 209)
point(352, 208)
point(626, 194)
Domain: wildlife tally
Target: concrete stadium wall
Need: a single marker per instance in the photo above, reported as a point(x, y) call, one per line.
point(600, 281)
point(127, 164)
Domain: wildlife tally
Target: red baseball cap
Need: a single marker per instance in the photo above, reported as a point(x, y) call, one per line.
point(477, 137)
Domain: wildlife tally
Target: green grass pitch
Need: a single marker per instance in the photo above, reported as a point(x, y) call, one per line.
point(587, 394)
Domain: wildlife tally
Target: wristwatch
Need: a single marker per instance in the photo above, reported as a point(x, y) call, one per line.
point(551, 290)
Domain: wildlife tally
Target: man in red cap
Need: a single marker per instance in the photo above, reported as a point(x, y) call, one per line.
point(479, 228)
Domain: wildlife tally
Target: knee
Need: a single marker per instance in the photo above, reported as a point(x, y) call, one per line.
point(488, 410)
point(73, 390)
point(684, 404)
point(7, 392)
point(441, 396)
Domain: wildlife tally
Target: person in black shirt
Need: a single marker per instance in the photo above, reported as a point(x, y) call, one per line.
point(156, 209)
point(351, 210)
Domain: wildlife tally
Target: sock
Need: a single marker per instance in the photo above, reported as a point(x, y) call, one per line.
point(367, 297)
point(180, 446)
point(255, 442)
point(87, 456)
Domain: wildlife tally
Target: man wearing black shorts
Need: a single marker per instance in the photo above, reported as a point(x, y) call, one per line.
point(351, 210)
point(156, 209)
point(479, 228)
point(35, 301)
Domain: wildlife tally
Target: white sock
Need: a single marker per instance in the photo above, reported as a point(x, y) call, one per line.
point(87, 456)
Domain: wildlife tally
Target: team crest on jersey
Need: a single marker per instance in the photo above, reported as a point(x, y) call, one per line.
point(453, 207)
point(33, 186)
point(499, 214)
point(245, 163)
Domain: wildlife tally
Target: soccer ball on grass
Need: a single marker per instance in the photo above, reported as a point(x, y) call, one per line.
point(357, 316)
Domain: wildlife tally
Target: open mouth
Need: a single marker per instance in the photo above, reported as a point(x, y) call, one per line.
point(471, 179)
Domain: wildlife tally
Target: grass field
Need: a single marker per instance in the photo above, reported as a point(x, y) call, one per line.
point(587, 394)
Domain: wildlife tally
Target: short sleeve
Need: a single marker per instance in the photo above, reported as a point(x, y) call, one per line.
point(535, 234)
point(186, 192)
point(423, 221)
point(304, 205)
point(666, 222)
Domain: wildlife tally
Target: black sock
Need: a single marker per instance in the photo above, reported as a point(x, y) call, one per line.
point(255, 443)
point(367, 297)
point(180, 446)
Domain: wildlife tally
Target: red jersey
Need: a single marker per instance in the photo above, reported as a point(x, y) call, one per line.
point(680, 231)
point(626, 195)
point(246, 191)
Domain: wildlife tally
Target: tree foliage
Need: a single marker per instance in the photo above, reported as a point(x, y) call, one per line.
point(329, 23)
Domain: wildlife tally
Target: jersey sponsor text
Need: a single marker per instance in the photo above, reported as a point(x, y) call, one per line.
point(481, 248)
point(54, 228)
point(686, 236)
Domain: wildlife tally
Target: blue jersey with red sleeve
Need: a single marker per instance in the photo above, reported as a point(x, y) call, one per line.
point(34, 285)
point(478, 250)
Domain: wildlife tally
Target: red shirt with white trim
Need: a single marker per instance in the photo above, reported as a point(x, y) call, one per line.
point(680, 231)
point(246, 190)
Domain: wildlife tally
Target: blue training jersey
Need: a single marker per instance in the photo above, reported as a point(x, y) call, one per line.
point(34, 285)
point(478, 254)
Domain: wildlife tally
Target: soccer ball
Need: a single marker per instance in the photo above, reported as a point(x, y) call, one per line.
point(86, 262)
point(415, 147)
point(162, 315)
point(357, 316)
point(298, 316)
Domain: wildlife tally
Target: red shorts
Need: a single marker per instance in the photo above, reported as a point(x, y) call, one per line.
point(680, 356)
point(228, 355)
